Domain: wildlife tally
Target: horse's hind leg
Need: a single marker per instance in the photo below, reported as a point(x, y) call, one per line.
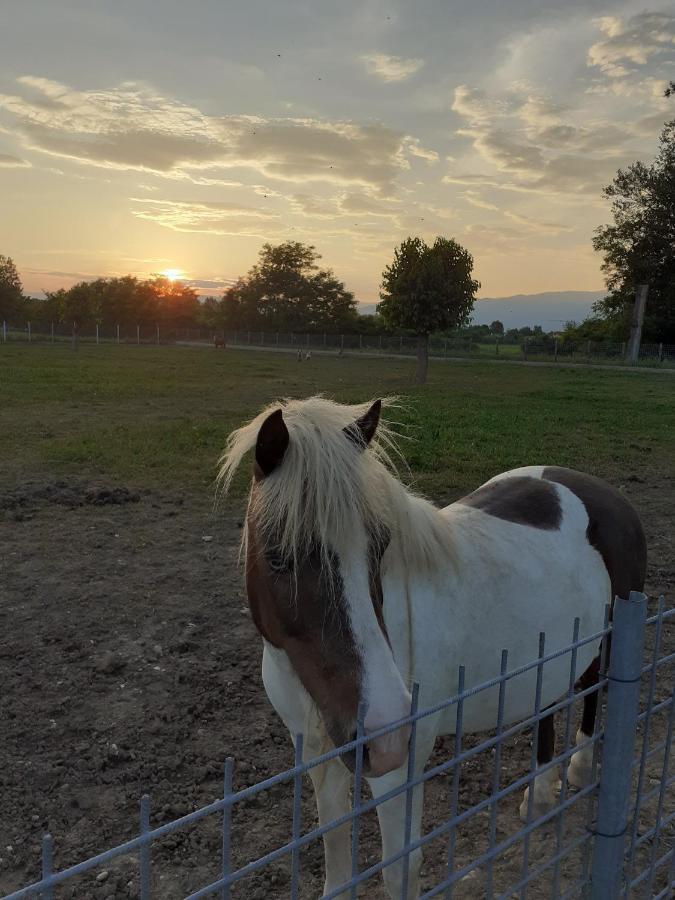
point(544, 798)
point(580, 770)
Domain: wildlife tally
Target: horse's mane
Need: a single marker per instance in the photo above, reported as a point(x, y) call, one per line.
point(325, 488)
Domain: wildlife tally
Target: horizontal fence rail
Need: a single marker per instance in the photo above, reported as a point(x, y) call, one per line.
point(613, 838)
point(534, 348)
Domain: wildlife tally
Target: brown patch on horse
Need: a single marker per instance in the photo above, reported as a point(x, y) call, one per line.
point(301, 612)
point(614, 528)
point(519, 499)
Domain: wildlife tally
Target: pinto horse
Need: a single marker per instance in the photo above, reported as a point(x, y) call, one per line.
point(359, 588)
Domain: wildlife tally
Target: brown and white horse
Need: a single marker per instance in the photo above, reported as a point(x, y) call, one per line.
point(359, 588)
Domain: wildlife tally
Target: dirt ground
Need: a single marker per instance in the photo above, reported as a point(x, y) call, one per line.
point(129, 664)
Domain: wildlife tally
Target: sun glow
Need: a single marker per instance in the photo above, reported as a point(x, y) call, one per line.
point(172, 274)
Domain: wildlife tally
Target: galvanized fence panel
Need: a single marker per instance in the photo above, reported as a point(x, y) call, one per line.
point(613, 838)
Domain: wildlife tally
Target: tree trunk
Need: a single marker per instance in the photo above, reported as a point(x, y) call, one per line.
point(422, 358)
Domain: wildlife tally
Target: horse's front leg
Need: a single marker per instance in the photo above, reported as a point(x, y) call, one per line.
point(331, 783)
point(392, 815)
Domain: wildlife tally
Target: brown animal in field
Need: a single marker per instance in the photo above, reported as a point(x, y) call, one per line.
point(218, 341)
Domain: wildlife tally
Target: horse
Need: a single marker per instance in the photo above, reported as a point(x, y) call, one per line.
point(218, 341)
point(361, 587)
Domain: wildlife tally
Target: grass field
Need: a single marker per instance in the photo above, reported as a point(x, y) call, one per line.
point(160, 415)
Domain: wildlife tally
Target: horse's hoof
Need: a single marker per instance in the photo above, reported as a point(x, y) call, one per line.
point(540, 806)
point(579, 776)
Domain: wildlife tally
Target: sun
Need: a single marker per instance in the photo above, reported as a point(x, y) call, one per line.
point(172, 274)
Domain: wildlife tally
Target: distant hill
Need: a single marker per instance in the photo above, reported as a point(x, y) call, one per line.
point(550, 310)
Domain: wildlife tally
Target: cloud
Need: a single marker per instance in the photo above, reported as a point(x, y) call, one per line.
point(631, 43)
point(391, 68)
point(552, 228)
point(475, 199)
point(414, 148)
point(13, 162)
point(133, 127)
point(477, 106)
point(208, 218)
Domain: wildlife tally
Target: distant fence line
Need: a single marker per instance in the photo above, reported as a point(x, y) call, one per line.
point(619, 846)
point(528, 347)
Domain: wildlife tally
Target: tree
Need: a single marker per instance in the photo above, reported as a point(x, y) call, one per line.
point(286, 290)
point(497, 327)
point(427, 289)
point(11, 291)
point(639, 247)
point(670, 90)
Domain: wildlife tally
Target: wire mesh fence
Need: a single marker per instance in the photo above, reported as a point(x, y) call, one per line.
point(535, 348)
point(613, 837)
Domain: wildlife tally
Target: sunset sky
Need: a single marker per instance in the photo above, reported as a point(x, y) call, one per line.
point(139, 137)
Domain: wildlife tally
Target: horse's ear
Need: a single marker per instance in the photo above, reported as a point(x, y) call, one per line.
point(361, 432)
point(272, 442)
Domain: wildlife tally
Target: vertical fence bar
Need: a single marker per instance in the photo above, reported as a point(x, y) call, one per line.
point(356, 820)
point(228, 768)
point(30, 337)
point(47, 864)
point(52, 332)
point(623, 693)
point(645, 745)
point(117, 327)
point(566, 762)
point(144, 854)
point(97, 339)
point(157, 328)
point(409, 794)
point(342, 343)
point(4, 332)
point(533, 760)
point(662, 793)
point(297, 819)
point(496, 771)
point(456, 772)
point(138, 334)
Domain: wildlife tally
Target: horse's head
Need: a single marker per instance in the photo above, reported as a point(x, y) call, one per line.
point(315, 591)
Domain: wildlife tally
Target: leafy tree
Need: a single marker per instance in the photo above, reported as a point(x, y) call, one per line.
point(426, 289)
point(11, 291)
point(639, 247)
point(497, 327)
point(286, 290)
point(670, 90)
point(174, 303)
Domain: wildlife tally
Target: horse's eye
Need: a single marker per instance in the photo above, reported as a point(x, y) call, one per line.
point(277, 563)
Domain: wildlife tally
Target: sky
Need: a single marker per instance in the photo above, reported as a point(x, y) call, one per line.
point(140, 137)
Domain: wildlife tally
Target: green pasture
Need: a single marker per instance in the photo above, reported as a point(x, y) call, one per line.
point(159, 416)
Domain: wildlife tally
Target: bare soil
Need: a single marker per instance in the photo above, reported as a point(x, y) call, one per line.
point(129, 664)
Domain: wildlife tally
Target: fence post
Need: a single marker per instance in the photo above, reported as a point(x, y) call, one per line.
point(360, 342)
point(342, 342)
point(51, 331)
point(30, 338)
point(262, 337)
point(324, 339)
point(661, 351)
point(117, 328)
point(400, 344)
point(497, 347)
point(4, 332)
point(525, 347)
point(157, 327)
point(555, 350)
point(138, 334)
point(248, 339)
point(623, 694)
point(97, 332)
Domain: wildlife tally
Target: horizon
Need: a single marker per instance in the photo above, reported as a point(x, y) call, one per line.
point(348, 129)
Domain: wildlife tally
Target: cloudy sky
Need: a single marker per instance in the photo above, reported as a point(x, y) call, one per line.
point(143, 136)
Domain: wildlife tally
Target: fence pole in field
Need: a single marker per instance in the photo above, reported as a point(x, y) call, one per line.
point(277, 338)
point(30, 337)
point(51, 331)
point(118, 333)
point(248, 338)
point(324, 338)
point(497, 347)
point(525, 347)
point(360, 342)
point(588, 351)
point(555, 350)
point(400, 344)
point(262, 337)
point(138, 334)
point(4, 332)
point(623, 694)
point(307, 341)
point(661, 351)
point(97, 332)
point(157, 327)
point(342, 342)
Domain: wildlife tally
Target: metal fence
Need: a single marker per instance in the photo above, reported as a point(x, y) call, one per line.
point(613, 838)
point(542, 348)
